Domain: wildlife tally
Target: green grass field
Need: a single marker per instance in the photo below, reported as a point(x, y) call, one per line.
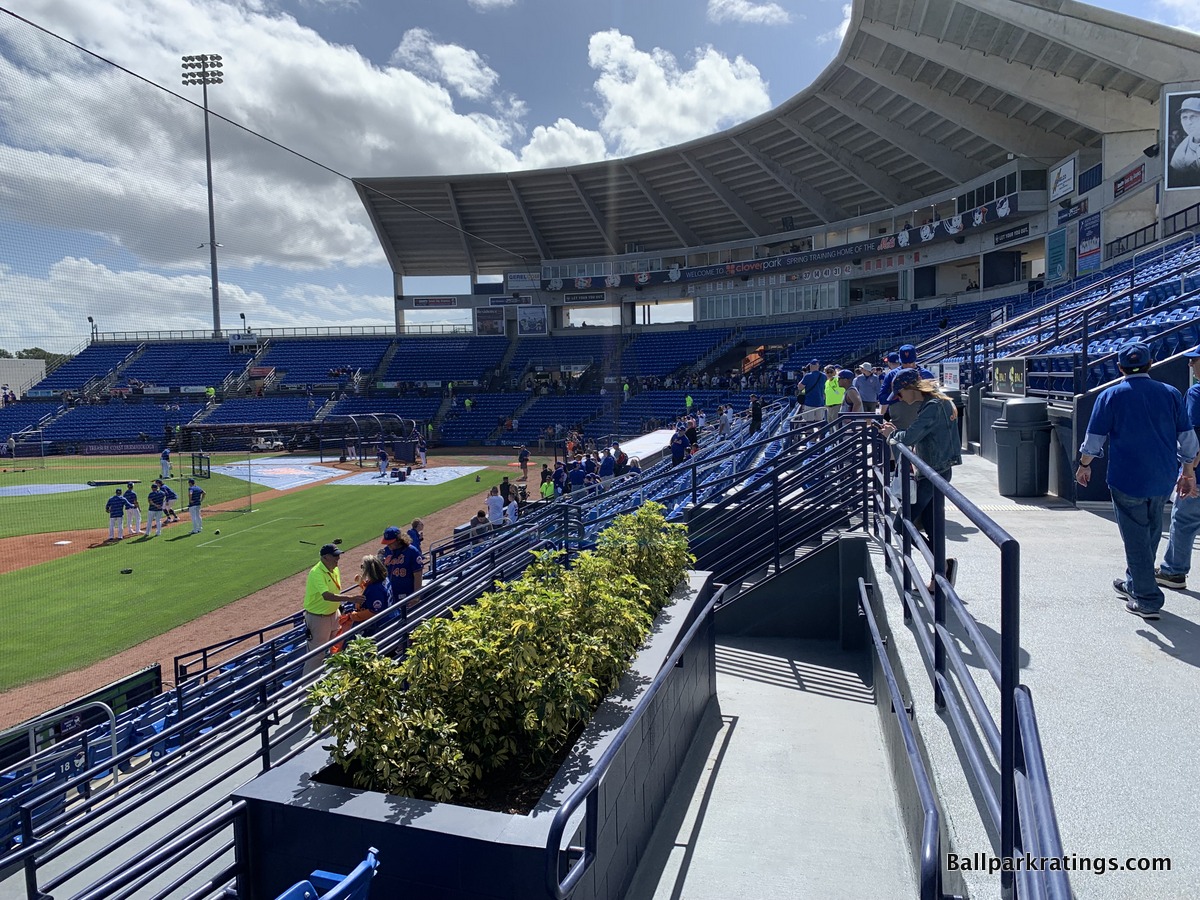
point(81, 609)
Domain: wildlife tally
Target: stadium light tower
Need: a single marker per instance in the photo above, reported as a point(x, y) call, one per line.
point(205, 69)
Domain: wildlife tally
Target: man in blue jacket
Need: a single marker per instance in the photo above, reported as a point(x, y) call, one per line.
point(1151, 450)
point(812, 389)
point(1185, 511)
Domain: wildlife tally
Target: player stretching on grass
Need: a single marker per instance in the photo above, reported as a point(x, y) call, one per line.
point(116, 506)
point(169, 498)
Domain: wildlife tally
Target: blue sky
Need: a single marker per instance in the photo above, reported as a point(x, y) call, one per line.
point(102, 203)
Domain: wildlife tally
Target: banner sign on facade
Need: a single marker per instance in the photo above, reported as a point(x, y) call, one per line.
point(1062, 180)
point(587, 297)
point(519, 300)
point(1074, 211)
point(434, 302)
point(1056, 256)
point(906, 240)
point(1127, 182)
point(1087, 253)
point(116, 448)
point(489, 322)
point(532, 320)
point(1009, 235)
point(523, 281)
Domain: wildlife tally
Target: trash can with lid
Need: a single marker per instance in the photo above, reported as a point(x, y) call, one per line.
point(1023, 448)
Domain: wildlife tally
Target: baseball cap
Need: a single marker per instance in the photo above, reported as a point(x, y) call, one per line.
point(892, 357)
point(1191, 104)
point(330, 550)
point(390, 533)
point(1194, 353)
point(845, 373)
point(908, 354)
point(814, 362)
point(906, 379)
point(129, 484)
point(1133, 356)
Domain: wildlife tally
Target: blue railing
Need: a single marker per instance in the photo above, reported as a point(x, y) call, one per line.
point(929, 874)
point(1023, 805)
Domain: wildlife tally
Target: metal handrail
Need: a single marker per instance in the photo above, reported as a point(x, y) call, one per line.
point(33, 725)
point(181, 662)
point(586, 792)
point(929, 879)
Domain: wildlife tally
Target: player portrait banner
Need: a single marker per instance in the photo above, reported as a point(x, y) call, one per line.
point(1056, 256)
point(1062, 180)
point(532, 320)
point(1087, 258)
point(489, 322)
point(434, 302)
point(902, 241)
point(1181, 127)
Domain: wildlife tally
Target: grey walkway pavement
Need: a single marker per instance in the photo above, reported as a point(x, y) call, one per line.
point(1118, 698)
point(786, 794)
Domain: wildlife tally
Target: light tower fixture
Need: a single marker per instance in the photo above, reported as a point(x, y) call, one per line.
point(205, 69)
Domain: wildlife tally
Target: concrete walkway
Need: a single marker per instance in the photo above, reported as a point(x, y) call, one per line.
point(1117, 698)
point(786, 792)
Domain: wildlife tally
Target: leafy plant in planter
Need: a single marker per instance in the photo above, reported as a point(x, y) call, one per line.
point(506, 682)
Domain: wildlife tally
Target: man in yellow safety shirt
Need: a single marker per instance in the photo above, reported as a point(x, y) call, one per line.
point(322, 597)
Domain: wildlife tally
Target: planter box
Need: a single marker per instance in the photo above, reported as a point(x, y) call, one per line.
point(439, 851)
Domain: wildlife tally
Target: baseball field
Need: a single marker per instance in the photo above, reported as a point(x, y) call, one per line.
point(64, 613)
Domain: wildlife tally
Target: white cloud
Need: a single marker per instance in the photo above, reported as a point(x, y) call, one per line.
point(463, 70)
point(838, 34)
point(485, 5)
point(648, 101)
point(748, 12)
point(562, 144)
point(1179, 14)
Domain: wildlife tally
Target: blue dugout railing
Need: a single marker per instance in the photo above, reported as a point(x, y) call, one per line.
point(1021, 810)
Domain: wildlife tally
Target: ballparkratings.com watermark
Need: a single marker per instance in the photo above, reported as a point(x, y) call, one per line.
point(985, 862)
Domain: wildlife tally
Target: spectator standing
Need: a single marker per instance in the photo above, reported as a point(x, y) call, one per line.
point(867, 384)
point(404, 563)
point(523, 460)
point(851, 399)
point(755, 413)
point(376, 591)
point(608, 466)
point(1149, 439)
point(322, 597)
point(907, 359)
point(506, 489)
point(495, 506)
point(1185, 511)
point(812, 389)
point(116, 507)
point(416, 533)
point(679, 445)
point(834, 393)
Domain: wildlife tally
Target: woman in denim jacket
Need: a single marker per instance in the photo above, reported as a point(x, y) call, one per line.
point(933, 435)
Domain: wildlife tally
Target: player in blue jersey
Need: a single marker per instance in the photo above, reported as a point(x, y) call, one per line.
point(195, 498)
point(154, 500)
point(523, 461)
point(382, 458)
point(116, 506)
point(164, 459)
point(133, 515)
point(169, 498)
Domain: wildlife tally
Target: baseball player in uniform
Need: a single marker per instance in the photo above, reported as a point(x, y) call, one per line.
point(164, 459)
point(195, 496)
point(116, 506)
point(133, 515)
point(169, 498)
point(154, 500)
point(382, 457)
point(421, 448)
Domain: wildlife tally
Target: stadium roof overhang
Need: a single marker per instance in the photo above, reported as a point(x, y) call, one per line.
point(923, 96)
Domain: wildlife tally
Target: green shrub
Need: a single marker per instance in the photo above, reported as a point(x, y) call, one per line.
point(506, 681)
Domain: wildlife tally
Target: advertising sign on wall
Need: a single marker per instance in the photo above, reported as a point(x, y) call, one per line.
point(1074, 211)
point(1128, 181)
point(1008, 377)
point(434, 302)
point(1062, 180)
point(950, 375)
point(1087, 254)
point(523, 281)
point(489, 322)
point(518, 300)
point(586, 297)
point(1056, 256)
point(1008, 235)
point(532, 320)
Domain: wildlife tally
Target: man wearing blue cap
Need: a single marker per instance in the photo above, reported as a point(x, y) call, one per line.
point(1151, 449)
point(902, 414)
point(812, 389)
point(1185, 511)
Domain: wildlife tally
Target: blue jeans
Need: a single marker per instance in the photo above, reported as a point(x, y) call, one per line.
point(1139, 520)
point(1185, 525)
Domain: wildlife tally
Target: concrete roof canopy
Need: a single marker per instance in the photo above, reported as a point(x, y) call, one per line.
point(923, 96)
